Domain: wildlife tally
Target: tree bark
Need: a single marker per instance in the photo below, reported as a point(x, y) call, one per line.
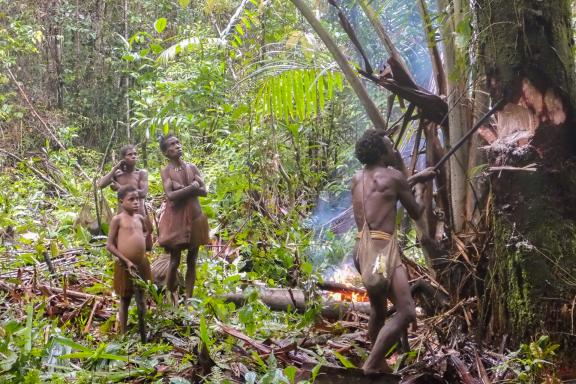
point(527, 54)
point(458, 115)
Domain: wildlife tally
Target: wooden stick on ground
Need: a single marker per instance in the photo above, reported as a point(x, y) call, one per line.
point(36, 171)
point(8, 287)
point(91, 317)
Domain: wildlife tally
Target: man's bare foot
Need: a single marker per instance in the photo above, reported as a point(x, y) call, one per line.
point(382, 368)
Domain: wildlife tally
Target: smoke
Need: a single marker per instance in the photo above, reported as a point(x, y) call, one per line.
point(331, 223)
point(332, 220)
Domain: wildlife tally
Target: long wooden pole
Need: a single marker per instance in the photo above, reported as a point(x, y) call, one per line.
point(464, 138)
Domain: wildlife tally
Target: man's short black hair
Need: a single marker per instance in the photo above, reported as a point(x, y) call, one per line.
point(126, 189)
point(163, 142)
point(370, 147)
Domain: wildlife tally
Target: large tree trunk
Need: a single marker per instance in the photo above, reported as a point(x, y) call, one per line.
point(528, 59)
point(459, 115)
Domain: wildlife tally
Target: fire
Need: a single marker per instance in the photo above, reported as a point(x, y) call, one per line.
point(347, 276)
point(348, 296)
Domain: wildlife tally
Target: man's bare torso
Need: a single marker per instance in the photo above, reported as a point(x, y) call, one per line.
point(374, 196)
point(375, 191)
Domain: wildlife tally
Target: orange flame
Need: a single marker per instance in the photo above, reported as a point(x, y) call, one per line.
point(347, 275)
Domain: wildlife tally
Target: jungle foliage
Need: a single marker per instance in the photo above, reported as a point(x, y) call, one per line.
point(266, 114)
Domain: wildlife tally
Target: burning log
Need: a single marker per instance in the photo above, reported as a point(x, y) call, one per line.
point(284, 299)
point(333, 286)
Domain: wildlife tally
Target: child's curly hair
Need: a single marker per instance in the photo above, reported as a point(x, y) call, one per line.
point(370, 147)
point(125, 190)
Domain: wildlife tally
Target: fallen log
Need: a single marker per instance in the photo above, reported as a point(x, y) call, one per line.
point(284, 299)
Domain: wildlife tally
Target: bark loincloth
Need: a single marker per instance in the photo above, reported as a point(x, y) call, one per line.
point(178, 231)
point(123, 281)
point(377, 260)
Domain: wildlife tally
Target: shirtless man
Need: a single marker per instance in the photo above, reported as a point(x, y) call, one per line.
point(127, 241)
point(375, 191)
point(182, 226)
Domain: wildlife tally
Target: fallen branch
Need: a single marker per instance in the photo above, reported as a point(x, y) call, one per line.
point(460, 367)
point(46, 289)
point(239, 335)
point(36, 171)
point(282, 299)
point(91, 317)
point(528, 168)
point(332, 286)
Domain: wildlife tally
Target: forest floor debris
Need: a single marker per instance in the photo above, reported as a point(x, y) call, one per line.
point(442, 347)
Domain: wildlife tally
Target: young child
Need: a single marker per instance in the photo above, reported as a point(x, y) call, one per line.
point(126, 173)
point(127, 241)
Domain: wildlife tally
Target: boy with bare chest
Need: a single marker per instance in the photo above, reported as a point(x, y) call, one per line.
point(125, 173)
point(127, 241)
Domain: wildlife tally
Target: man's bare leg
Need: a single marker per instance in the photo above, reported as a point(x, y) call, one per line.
point(172, 276)
point(191, 271)
point(123, 314)
point(378, 312)
point(392, 330)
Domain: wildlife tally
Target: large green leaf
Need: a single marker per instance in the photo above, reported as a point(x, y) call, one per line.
point(160, 24)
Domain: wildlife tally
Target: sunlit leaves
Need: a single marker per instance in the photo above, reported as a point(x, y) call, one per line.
point(187, 45)
point(183, 3)
point(160, 24)
point(297, 94)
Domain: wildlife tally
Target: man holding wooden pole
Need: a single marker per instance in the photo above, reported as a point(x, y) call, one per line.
point(375, 191)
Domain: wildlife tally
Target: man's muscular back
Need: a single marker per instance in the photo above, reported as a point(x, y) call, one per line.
point(375, 191)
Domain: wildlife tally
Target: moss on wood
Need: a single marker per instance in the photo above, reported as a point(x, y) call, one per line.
point(532, 274)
